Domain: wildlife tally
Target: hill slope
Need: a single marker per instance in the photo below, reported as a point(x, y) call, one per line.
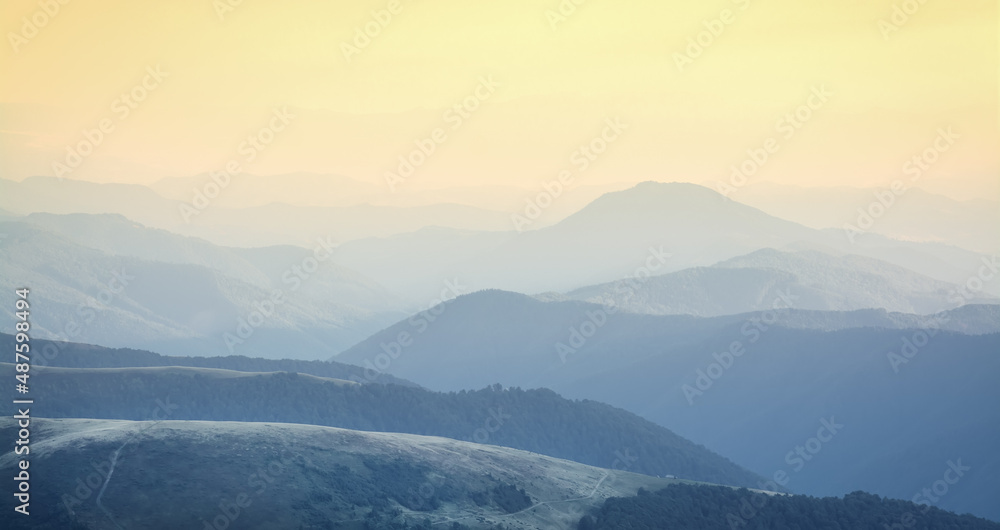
point(185, 474)
point(202, 300)
point(535, 420)
point(265, 266)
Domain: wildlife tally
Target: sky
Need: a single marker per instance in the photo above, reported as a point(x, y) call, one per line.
point(557, 73)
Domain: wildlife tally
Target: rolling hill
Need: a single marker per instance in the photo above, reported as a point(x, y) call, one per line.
point(91, 474)
point(535, 420)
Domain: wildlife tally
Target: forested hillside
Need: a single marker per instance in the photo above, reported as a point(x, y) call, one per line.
point(76, 355)
point(534, 420)
point(685, 507)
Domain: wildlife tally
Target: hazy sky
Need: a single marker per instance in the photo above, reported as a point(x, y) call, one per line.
point(891, 91)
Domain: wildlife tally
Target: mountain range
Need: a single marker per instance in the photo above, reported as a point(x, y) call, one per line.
point(680, 325)
point(650, 229)
point(750, 282)
point(326, 305)
point(745, 386)
point(916, 215)
point(200, 298)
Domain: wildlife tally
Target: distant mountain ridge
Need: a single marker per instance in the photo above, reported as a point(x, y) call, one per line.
point(679, 225)
point(204, 299)
point(747, 283)
point(233, 219)
point(652, 228)
point(917, 215)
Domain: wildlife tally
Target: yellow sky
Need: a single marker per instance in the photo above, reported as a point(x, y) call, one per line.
point(557, 86)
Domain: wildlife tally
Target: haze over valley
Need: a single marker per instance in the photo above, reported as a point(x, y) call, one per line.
point(500, 266)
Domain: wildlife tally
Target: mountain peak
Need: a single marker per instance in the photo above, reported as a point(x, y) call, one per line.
point(675, 195)
point(673, 189)
point(671, 204)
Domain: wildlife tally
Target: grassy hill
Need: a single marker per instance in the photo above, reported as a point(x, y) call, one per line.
point(535, 420)
point(97, 474)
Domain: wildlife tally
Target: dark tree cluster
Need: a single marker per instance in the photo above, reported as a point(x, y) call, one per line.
point(537, 420)
point(506, 496)
point(688, 507)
